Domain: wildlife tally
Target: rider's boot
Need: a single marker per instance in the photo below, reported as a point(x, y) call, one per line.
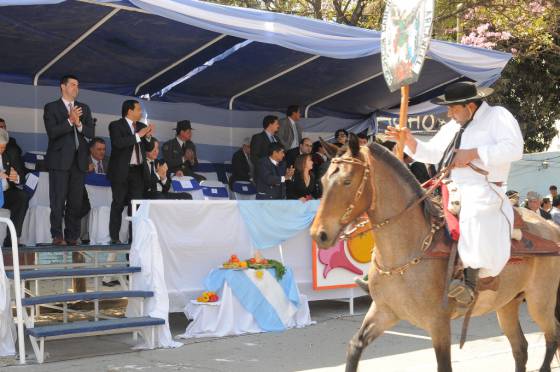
point(464, 291)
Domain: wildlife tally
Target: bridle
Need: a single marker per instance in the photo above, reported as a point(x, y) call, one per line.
point(345, 219)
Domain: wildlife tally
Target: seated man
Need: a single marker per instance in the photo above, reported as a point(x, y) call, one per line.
point(12, 142)
point(12, 174)
point(534, 203)
point(303, 148)
point(156, 178)
point(272, 174)
point(97, 161)
point(241, 164)
point(189, 163)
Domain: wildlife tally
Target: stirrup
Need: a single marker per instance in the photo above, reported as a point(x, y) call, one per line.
point(461, 292)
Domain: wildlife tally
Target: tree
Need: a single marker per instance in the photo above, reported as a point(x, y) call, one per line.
point(529, 29)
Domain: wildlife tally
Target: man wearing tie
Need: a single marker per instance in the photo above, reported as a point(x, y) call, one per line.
point(97, 161)
point(129, 138)
point(260, 142)
point(272, 174)
point(68, 123)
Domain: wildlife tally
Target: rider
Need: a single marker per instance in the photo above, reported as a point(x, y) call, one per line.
point(488, 138)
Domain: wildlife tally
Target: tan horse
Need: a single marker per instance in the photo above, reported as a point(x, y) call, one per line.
point(372, 180)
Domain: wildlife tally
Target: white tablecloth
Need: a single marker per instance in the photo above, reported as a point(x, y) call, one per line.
point(37, 227)
point(198, 236)
point(229, 317)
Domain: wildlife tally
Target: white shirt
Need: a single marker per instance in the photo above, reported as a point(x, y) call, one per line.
point(67, 104)
point(96, 165)
point(138, 139)
point(295, 142)
point(495, 134)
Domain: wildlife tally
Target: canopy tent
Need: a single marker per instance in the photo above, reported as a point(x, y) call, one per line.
point(225, 57)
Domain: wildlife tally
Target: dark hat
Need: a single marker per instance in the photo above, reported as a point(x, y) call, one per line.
point(462, 92)
point(183, 125)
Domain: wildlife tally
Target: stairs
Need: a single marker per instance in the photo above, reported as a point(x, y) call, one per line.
point(29, 302)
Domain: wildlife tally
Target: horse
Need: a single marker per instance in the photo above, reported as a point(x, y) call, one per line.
point(405, 284)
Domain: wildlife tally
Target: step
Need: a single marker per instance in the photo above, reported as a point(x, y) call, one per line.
point(91, 326)
point(84, 296)
point(68, 248)
point(62, 273)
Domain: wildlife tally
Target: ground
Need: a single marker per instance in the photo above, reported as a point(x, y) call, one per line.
point(318, 348)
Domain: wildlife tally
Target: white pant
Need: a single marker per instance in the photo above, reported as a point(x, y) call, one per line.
point(486, 224)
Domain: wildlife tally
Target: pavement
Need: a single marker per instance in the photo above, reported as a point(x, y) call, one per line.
point(317, 348)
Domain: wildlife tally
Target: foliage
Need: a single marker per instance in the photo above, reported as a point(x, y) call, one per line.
point(529, 29)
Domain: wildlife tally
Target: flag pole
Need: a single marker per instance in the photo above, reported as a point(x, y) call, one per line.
point(403, 118)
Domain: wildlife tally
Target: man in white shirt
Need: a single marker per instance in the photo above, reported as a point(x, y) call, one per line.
point(290, 131)
point(487, 137)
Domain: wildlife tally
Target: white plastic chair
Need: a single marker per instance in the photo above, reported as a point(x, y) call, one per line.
point(244, 190)
point(36, 225)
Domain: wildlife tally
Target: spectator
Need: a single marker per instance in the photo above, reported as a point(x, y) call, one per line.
point(12, 175)
point(97, 161)
point(129, 138)
point(272, 174)
point(303, 186)
point(363, 138)
point(555, 212)
point(418, 169)
point(241, 164)
point(340, 137)
point(513, 197)
point(534, 204)
point(68, 123)
point(546, 205)
point(553, 193)
point(189, 164)
point(156, 176)
point(12, 142)
point(303, 148)
point(290, 132)
point(260, 142)
point(320, 162)
point(175, 149)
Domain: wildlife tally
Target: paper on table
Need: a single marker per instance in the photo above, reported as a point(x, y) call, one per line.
point(31, 181)
point(186, 184)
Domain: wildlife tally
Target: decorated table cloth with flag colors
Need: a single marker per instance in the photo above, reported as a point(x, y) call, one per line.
point(251, 301)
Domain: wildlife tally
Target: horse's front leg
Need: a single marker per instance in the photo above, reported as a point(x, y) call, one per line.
point(440, 332)
point(378, 319)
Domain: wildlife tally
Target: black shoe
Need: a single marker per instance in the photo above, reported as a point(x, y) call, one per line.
point(116, 241)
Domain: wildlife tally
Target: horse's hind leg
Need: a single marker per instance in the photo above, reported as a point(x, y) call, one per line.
point(541, 308)
point(377, 320)
point(508, 317)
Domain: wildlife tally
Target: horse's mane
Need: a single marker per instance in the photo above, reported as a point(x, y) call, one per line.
point(432, 208)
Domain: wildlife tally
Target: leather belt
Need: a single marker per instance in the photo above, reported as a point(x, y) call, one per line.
point(499, 184)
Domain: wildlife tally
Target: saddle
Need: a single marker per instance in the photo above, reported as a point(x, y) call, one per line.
point(537, 239)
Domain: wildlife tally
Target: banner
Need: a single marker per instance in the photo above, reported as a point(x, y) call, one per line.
point(406, 33)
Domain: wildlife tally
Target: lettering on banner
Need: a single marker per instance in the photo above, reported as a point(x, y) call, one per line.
point(416, 123)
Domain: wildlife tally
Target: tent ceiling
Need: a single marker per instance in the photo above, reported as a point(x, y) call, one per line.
point(132, 52)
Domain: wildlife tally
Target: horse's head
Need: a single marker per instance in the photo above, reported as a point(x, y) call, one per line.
point(348, 192)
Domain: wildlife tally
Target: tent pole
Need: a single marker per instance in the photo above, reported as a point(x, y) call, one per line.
point(115, 6)
point(173, 65)
point(73, 45)
point(341, 91)
point(282, 73)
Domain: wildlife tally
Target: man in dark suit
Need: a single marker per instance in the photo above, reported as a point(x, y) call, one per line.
point(272, 174)
point(97, 161)
point(260, 142)
point(303, 148)
point(12, 142)
point(290, 131)
point(11, 175)
point(68, 123)
point(175, 149)
point(241, 164)
point(157, 181)
point(129, 138)
point(418, 169)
